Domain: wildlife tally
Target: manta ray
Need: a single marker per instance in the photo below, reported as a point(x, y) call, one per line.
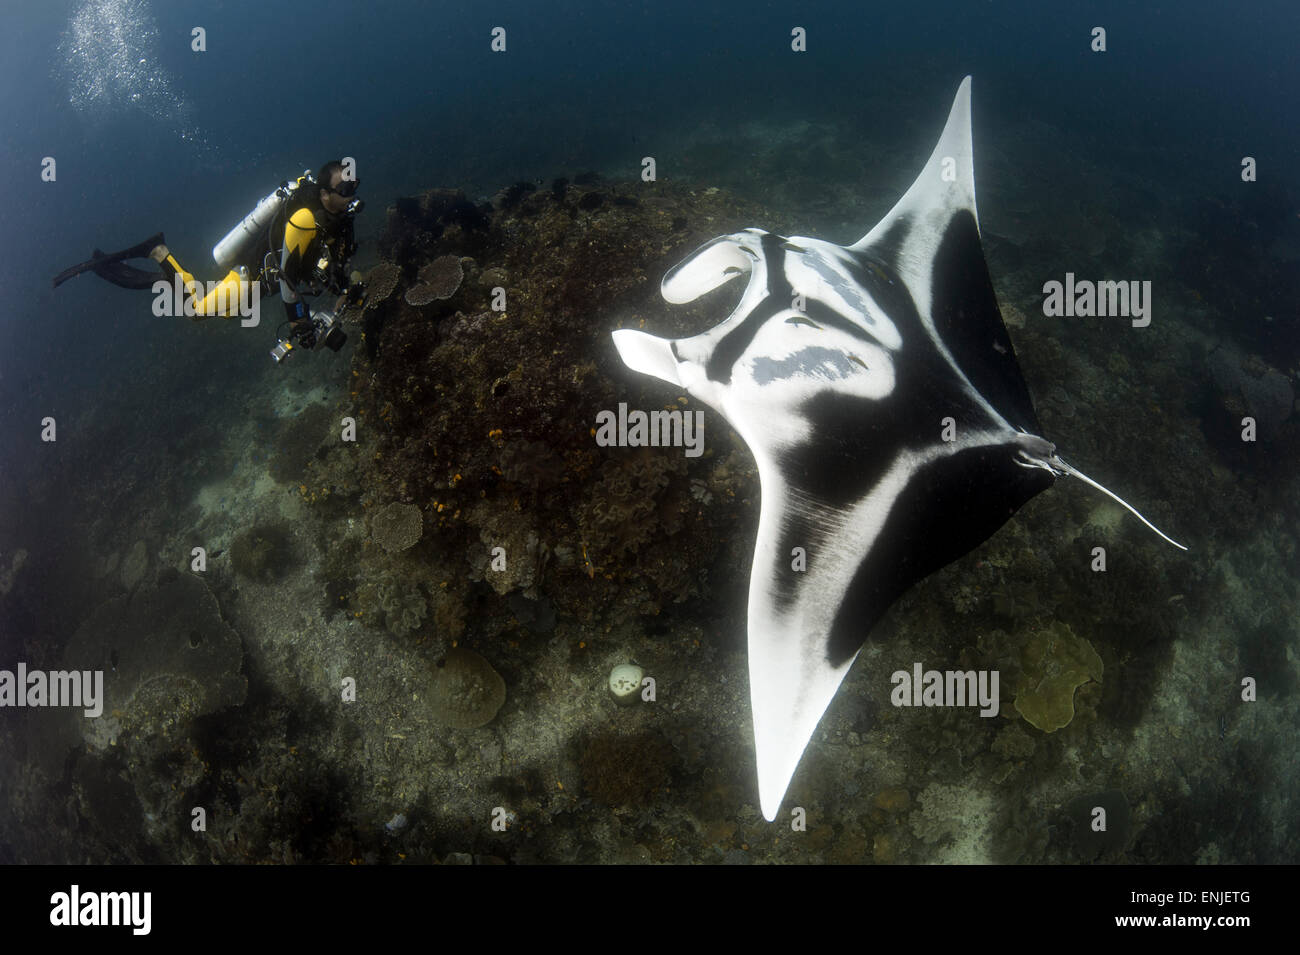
point(878, 390)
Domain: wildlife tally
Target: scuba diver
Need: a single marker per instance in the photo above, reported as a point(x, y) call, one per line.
point(316, 244)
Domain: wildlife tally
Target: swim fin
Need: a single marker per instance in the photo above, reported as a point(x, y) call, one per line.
point(110, 266)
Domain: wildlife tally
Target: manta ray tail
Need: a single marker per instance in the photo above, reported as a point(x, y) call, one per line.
point(1056, 465)
point(1116, 498)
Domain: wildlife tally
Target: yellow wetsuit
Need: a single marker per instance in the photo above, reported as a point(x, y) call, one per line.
point(312, 239)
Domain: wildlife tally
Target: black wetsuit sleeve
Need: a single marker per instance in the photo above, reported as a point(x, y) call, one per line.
point(347, 244)
point(341, 245)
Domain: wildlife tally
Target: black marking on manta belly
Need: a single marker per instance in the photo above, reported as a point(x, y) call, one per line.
point(992, 487)
point(882, 283)
point(826, 315)
point(856, 293)
point(817, 315)
point(814, 361)
point(885, 249)
point(854, 440)
point(779, 295)
point(733, 345)
point(966, 318)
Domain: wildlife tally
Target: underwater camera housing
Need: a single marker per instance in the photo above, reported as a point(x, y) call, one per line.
point(324, 329)
point(328, 331)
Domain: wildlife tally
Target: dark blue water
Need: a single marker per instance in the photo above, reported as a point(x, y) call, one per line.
point(413, 91)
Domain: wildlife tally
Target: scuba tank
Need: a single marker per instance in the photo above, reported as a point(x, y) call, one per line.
point(232, 247)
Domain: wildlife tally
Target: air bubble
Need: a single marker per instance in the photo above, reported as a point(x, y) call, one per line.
point(105, 61)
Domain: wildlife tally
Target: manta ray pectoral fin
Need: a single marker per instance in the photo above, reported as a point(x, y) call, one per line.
point(946, 183)
point(791, 683)
point(792, 678)
point(647, 354)
point(711, 265)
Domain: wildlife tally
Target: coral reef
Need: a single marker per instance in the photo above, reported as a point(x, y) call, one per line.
point(626, 770)
point(476, 413)
point(298, 441)
point(380, 283)
point(525, 556)
point(397, 527)
point(420, 295)
point(483, 419)
point(631, 502)
point(449, 612)
point(531, 464)
point(403, 605)
point(1247, 386)
point(421, 226)
point(263, 552)
point(135, 565)
point(466, 691)
point(958, 816)
point(173, 659)
point(1054, 663)
point(438, 279)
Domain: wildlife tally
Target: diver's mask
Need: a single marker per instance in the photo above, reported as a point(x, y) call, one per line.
point(348, 190)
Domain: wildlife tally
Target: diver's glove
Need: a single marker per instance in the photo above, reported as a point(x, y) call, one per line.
point(353, 295)
point(304, 336)
point(356, 291)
